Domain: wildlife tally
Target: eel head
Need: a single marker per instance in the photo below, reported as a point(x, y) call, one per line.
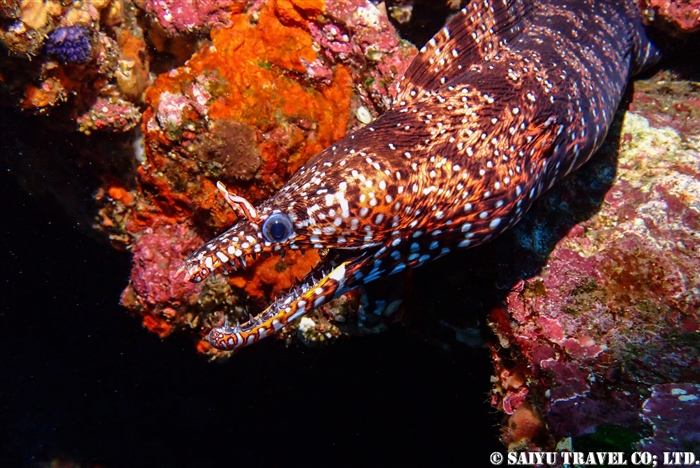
point(344, 203)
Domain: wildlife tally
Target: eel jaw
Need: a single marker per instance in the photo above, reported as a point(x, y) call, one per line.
point(196, 270)
point(228, 252)
point(231, 250)
point(310, 294)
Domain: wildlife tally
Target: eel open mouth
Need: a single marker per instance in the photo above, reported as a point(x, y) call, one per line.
point(331, 277)
point(261, 233)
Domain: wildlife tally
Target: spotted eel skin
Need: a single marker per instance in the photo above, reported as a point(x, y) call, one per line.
point(508, 98)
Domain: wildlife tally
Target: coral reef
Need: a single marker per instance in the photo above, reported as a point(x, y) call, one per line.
point(70, 44)
point(64, 62)
point(224, 90)
point(154, 291)
point(614, 315)
point(186, 16)
point(109, 114)
point(268, 92)
point(681, 16)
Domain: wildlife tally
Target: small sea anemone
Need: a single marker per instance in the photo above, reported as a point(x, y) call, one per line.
point(70, 44)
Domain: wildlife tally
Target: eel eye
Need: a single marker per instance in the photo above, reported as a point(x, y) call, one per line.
point(277, 228)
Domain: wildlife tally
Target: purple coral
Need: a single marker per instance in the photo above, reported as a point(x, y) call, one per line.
point(667, 411)
point(70, 44)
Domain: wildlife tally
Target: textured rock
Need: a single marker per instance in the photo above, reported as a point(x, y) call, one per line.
point(154, 291)
point(112, 115)
point(187, 16)
point(679, 15)
point(615, 311)
point(65, 63)
point(672, 411)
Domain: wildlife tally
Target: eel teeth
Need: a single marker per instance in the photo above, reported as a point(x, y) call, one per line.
point(228, 328)
point(254, 320)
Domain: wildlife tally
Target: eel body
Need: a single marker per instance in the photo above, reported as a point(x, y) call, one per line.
point(508, 98)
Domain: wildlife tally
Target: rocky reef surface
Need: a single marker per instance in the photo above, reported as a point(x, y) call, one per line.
point(613, 317)
point(162, 99)
point(590, 306)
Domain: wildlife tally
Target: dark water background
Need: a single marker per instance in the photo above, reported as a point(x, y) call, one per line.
point(82, 381)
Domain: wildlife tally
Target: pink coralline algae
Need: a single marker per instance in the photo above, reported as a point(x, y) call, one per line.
point(614, 314)
point(678, 15)
point(171, 108)
point(186, 16)
point(156, 290)
point(110, 115)
point(360, 34)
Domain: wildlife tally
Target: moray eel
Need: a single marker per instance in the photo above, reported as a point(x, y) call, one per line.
point(508, 98)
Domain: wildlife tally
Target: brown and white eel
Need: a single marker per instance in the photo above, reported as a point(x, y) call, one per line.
point(508, 98)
